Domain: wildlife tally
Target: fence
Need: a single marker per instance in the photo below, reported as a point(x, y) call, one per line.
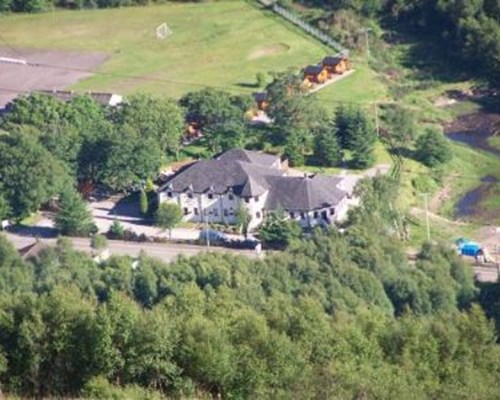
point(311, 30)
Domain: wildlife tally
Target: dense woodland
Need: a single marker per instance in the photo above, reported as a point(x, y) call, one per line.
point(334, 316)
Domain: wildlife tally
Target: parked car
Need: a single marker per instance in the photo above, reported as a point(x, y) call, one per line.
point(213, 235)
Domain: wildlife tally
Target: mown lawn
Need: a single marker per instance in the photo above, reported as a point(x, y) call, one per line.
point(220, 44)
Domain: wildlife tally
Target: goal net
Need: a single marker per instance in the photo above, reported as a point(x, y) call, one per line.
point(163, 31)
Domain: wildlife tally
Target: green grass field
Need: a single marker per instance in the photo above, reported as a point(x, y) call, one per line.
point(220, 44)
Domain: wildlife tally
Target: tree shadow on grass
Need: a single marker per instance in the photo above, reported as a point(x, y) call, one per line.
point(248, 85)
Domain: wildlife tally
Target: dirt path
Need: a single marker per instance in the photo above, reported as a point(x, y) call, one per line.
point(442, 194)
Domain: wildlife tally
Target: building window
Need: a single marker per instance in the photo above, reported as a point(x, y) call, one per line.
point(190, 195)
point(256, 198)
point(195, 210)
point(302, 215)
point(216, 212)
point(231, 197)
point(315, 214)
point(257, 214)
point(169, 194)
point(247, 200)
point(231, 211)
point(292, 215)
point(210, 196)
point(332, 211)
point(226, 212)
point(186, 211)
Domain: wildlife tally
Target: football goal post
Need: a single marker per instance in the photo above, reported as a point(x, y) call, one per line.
point(163, 31)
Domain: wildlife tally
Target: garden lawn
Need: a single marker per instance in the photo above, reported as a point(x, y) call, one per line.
point(218, 44)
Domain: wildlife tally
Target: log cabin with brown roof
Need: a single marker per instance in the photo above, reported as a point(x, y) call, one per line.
point(336, 64)
point(261, 100)
point(316, 74)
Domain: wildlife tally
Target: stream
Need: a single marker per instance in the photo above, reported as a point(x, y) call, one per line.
point(474, 131)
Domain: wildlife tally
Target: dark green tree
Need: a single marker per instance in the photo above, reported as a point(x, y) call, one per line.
point(74, 217)
point(130, 159)
point(243, 218)
point(30, 175)
point(143, 202)
point(158, 119)
point(277, 231)
point(168, 216)
point(327, 151)
point(433, 149)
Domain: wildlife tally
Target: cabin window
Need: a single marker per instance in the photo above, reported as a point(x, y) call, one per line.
point(256, 198)
point(226, 212)
point(292, 215)
point(231, 197)
point(190, 195)
point(316, 214)
point(195, 210)
point(332, 211)
point(210, 196)
point(169, 194)
point(186, 211)
point(257, 214)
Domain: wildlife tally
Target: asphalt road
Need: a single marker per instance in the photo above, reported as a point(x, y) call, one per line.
point(163, 251)
point(169, 252)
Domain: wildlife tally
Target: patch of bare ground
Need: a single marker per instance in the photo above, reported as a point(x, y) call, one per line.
point(269, 50)
point(44, 70)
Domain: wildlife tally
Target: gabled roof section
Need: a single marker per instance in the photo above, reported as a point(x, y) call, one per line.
point(253, 188)
point(253, 157)
point(304, 193)
point(332, 61)
point(313, 69)
point(260, 96)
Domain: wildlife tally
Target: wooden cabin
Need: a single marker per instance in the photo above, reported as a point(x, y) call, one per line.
point(316, 74)
point(261, 100)
point(336, 65)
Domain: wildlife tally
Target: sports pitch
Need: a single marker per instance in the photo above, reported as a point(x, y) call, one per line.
point(216, 44)
point(221, 44)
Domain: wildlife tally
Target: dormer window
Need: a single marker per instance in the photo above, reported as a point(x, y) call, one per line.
point(169, 194)
point(231, 197)
point(190, 195)
point(256, 198)
point(210, 196)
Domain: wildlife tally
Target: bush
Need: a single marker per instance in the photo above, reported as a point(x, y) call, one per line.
point(433, 148)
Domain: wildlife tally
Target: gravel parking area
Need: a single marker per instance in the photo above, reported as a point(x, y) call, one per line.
point(45, 69)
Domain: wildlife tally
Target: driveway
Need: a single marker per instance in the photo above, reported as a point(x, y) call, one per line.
point(105, 212)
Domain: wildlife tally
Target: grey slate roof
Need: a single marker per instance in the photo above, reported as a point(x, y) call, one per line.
point(68, 95)
point(304, 193)
point(260, 96)
point(254, 157)
point(331, 60)
point(313, 69)
point(250, 174)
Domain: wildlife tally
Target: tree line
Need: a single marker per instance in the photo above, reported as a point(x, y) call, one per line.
point(334, 316)
point(36, 6)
